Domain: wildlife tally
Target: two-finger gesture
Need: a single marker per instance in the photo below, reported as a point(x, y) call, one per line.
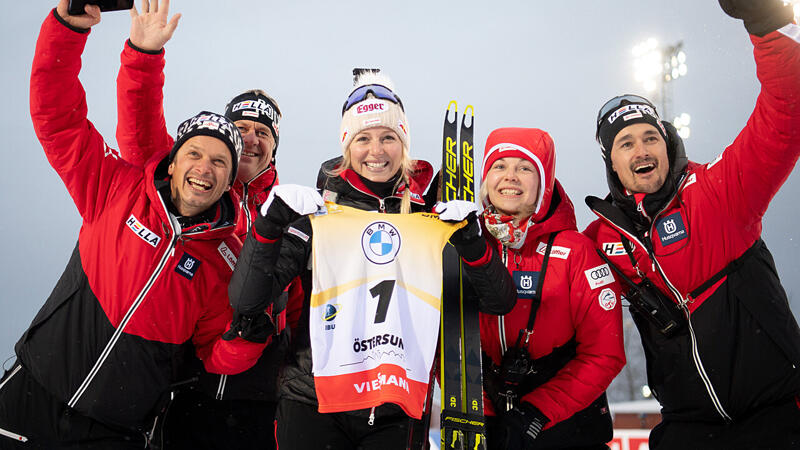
point(150, 30)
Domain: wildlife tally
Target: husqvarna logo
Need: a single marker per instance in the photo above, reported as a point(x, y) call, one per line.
point(187, 266)
point(526, 282)
point(671, 229)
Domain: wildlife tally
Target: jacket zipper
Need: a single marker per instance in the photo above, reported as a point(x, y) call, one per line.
point(223, 380)
point(6, 433)
point(136, 303)
point(243, 203)
point(381, 204)
point(698, 363)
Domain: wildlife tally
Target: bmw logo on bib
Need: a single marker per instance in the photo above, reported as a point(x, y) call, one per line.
point(380, 242)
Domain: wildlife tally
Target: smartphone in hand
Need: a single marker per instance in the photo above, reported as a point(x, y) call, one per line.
point(76, 7)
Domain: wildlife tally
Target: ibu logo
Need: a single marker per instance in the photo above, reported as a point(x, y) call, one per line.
point(380, 242)
point(671, 229)
point(329, 314)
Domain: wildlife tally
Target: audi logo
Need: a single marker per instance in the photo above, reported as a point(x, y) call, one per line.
point(600, 273)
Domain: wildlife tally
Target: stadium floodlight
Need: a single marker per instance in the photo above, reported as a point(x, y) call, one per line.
point(656, 66)
point(681, 122)
point(647, 64)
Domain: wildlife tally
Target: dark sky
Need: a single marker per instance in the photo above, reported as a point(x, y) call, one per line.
point(520, 63)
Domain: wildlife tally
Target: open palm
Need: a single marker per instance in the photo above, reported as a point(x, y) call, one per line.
point(150, 30)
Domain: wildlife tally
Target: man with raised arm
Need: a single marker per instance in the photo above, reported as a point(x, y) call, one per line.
point(722, 345)
point(149, 273)
point(209, 411)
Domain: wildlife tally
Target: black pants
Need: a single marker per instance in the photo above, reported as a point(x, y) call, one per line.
point(496, 438)
point(29, 411)
point(774, 427)
point(302, 427)
point(196, 422)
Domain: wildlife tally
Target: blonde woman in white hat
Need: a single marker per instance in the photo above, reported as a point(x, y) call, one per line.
point(326, 401)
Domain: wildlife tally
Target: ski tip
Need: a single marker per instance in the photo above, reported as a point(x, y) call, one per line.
point(468, 119)
point(451, 115)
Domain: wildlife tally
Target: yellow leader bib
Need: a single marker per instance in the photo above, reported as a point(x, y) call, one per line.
point(375, 301)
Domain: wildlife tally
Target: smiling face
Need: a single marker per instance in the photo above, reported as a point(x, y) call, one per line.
point(376, 154)
point(639, 157)
point(259, 145)
point(201, 173)
point(513, 187)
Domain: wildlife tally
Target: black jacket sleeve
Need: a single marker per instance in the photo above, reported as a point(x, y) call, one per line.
point(265, 267)
point(492, 284)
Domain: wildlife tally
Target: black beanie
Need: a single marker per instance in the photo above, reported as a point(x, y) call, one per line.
point(211, 124)
point(629, 110)
point(625, 110)
point(258, 108)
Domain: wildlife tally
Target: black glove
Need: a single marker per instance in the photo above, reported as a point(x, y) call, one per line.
point(278, 216)
point(760, 17)
point(467, 240)
point(469, 243)
point(523, 425)
point(250, 327)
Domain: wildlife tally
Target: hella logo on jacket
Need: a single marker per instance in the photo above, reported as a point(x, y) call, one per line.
point(142, 231)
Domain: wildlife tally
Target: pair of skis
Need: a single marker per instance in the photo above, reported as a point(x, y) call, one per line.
point(462, 419)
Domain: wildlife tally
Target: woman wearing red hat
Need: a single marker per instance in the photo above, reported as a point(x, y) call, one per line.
point(549, 361)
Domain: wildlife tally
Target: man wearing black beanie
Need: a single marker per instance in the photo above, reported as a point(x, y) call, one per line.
point(721, 343)
point(148, 275)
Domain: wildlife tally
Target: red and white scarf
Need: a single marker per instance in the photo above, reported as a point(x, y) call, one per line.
point(503, 229)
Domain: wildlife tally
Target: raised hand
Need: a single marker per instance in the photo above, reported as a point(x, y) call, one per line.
point(759, 16)
point(88, 20)
point(150, 30)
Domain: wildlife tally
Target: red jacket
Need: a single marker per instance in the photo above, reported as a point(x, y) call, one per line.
point(142, 135)
point(743, 346)
point(137, 287)
point(142, 130)
point(571, 306)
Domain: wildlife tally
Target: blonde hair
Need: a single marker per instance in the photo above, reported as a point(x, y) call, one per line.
point(483, 195)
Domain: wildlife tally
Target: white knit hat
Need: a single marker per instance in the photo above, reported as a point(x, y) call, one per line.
point(374, 111)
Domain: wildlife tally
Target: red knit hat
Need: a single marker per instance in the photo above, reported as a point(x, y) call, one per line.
point(531, 144)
